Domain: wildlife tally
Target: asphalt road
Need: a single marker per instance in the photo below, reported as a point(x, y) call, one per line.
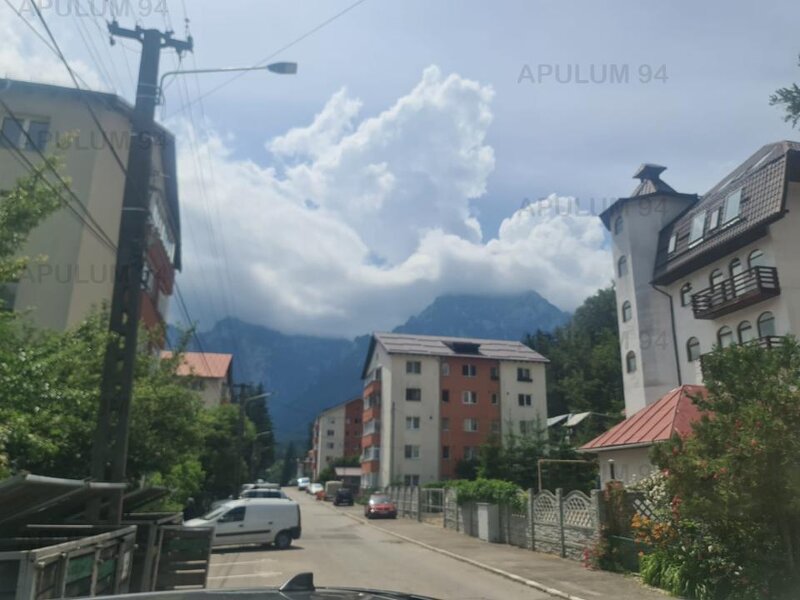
point(343, 552)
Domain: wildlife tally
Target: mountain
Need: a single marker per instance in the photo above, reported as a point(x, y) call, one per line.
point(308, 374)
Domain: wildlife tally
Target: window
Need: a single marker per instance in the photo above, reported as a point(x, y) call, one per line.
point(524, 374)
point(716, 278)
point(413, 394)
point(329, 445)
point(692, 349)
point(732, 205)
point(470, 453)
point(469, 397)
point(445, 452)
point(745, 331)
point(468, 370)
point(234, 515)
point(11, 134)
point(686, 294)
point(413, 366)
point(495, 399)
point(471, 425)
point(736, 268)
point(38, 133)
point(495, 426)
point(411, 480)
point(756, 259)
point(445, 395)
point(24, 133)
point(627, 313)
point(494, 373)
point(630, 362)
point(330, 432)
point(673, 242)
point(527, 427)
point(725, 337)
point(618, 225)
point(713, 220)
point(766, 325)
point(412, 423)
point(412, 452)
point(622, 266)
point(524, 399)
point(696, 232)
point(445, 424)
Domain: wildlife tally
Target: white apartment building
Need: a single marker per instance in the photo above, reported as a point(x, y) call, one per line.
point(693, 272)
point(430, 402)
point(328, 443)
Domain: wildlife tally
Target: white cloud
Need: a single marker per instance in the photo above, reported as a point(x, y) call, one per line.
point(364, 222)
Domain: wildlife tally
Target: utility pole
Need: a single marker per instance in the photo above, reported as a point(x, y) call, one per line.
point(110, 443)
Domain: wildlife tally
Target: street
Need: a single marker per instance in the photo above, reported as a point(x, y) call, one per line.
point(343, 552)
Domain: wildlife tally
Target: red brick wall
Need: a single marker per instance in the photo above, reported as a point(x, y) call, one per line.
point(354, 415)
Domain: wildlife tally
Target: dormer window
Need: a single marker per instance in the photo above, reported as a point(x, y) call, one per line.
point(713, 220)
point(696, 233)
point(732, 206)
point(673, 241)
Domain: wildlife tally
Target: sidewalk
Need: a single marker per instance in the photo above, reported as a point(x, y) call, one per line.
point(560, 577)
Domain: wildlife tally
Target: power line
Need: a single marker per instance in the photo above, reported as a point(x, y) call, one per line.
point(295, 41)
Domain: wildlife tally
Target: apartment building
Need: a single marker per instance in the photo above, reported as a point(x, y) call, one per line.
point(213, 373)
point(694, 272)
point(79, 270)
point(430, 402)
point(336, 434)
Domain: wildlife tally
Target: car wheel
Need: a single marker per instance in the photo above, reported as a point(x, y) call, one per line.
point(283, 540)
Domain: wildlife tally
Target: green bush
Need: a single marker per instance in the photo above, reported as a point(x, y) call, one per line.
point(493, 491)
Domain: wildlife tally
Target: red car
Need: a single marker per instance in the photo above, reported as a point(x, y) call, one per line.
point(380, 505)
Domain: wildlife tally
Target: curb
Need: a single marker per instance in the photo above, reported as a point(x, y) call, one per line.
point(528, 582)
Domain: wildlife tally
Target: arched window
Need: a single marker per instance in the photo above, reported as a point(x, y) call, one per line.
point(692, 349)
point(686, 294)
point(630, 362)
point(627, 313)
point(756, 259)
point(735, 269)
point(766, 324)
point(725, 336)
point(716, 278)
point(745, 332)
point(622, 266)
point(618, 226)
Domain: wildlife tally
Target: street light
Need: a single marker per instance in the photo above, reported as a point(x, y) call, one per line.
point(280, 68)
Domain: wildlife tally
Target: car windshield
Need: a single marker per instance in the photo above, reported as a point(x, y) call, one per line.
point(513, 270)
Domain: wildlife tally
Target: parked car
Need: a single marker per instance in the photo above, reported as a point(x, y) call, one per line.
point(243, 522)
point(344, 497)
point(303, 483)
point(316, 488)
point(260, 493)
point(380, 505)
point(331, 487)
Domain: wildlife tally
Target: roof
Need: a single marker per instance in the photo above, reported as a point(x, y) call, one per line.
point(430, 345)
point(762, 180)
point(209, 365)
point(117, 104)
point(650, 184)
point(672, 413)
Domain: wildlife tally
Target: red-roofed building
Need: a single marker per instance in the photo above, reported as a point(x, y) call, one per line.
point(623, 450)
point(213, 371)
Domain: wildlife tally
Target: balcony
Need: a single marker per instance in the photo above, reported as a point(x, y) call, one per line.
point(768, 342)
point(742, 290)
point(371, 453)
point(373, 426)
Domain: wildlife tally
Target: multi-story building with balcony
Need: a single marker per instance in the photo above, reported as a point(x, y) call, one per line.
point(695, 272)
point(430, 402)
point(79, 240)
point(336, 434)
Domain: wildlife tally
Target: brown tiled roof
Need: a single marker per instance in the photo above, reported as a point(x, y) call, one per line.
point(203, 364)
point(672, 413)
point(762, 179)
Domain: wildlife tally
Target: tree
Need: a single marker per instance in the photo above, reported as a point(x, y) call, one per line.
point(790, 98)
point(289, 464)
point(735, 482)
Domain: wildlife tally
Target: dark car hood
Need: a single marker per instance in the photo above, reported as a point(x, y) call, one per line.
point(320, 593)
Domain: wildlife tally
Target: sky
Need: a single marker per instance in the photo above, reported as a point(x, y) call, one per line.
point(424, 147)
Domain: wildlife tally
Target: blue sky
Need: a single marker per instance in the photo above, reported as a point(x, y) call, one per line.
point(392, 168)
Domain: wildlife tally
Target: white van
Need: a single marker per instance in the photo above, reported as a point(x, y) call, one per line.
point(253, 521)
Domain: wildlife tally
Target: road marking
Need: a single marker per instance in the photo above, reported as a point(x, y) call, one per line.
point(261, 574)
point(241, 562)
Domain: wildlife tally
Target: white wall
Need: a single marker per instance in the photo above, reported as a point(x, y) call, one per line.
point(511, 413)
point(630, 465)
point(330, 446)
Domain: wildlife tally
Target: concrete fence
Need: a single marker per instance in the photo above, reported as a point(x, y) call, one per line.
point(556, 523)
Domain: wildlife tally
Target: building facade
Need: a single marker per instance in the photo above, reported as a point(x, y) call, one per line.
point(431, 402)
point(212, 372)
point(336, 433)
point(695, 272)
point(78, 273)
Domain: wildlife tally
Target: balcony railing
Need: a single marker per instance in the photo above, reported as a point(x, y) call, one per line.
point(371, 427)
point(746, 288)
point(768, 342)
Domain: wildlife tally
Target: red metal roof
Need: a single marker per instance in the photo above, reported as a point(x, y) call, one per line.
point(672, 413)
point(203, 364)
